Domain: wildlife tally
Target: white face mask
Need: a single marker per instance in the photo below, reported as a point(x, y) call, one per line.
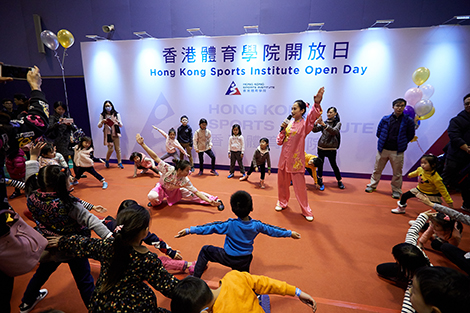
point(108, 109)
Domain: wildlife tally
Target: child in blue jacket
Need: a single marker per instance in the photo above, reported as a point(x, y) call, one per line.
point(240, 234)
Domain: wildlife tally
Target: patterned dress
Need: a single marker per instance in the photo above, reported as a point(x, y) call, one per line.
point(131, 294)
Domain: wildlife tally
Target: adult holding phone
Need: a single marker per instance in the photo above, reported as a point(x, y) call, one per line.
point(60, 129)
point(111, 121)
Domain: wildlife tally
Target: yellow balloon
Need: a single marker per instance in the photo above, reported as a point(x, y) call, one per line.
point(425, 117)
point(65, 38)
point(420, 76)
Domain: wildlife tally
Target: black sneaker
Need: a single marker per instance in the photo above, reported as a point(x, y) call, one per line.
point(340, 185)
point(25, 308)
point(221, 206)
point(15, 194)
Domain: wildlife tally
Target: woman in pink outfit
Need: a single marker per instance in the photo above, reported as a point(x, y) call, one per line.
point(292, 159)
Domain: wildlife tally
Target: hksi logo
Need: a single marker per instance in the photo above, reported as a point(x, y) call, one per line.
point(232, 90)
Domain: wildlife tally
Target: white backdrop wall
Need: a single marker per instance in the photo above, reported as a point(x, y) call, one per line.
point(253, 80)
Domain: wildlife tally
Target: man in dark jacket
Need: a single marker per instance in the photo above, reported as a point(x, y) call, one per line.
point(456, 168)
point(395, 131)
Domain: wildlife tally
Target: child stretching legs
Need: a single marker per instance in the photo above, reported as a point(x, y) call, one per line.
point(260, 158)
point(176, 263)
point(240, 234)
point(174, 184)
point(429, 183)
point(84, 162)
point(142, 162)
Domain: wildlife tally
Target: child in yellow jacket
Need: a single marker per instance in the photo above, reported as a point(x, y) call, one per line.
point(429, 182)
point(237, 292)
point(311, 164)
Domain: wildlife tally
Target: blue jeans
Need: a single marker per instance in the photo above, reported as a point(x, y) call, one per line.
point(80, 268)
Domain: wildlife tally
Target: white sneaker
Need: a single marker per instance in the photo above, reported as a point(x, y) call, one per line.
point(398, 210)
point(24, 308)
point(309, 218)
point(411, 222)
point(278, 208)
point(402, 205)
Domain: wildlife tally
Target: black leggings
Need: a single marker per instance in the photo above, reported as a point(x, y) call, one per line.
point(404, 197)
point(262, 169)
point(331, 155)
point(201, 159)
point(80, 170)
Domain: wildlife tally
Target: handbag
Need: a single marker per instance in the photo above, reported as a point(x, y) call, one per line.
point(21, 247)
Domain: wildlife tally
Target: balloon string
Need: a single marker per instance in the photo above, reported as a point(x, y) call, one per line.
point(63, 79)
point(63, 58)
point(419, 146)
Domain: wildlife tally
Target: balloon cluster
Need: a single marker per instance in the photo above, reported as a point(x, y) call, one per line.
point(66, 40)
point(419, 107)
point(50, 40)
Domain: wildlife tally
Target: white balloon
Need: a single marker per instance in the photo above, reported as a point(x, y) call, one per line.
point(423, 107)
point(428, 91)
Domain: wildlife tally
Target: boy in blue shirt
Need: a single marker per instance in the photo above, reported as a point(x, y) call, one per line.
point(240, 234)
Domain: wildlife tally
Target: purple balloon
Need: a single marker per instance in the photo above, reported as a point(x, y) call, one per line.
point(409, 111)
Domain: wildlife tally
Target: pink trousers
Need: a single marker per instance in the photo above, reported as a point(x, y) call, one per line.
point(158, 194)
point(298, 180)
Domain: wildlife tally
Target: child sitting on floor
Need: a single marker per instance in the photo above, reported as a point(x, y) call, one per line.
point(142, 162)
point(49, 156)
point(240, 234)
point(176, 263)
point(442, 229)
point(237, 292)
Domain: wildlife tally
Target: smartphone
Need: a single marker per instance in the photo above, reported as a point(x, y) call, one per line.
point(68, 121)
point(17, 72)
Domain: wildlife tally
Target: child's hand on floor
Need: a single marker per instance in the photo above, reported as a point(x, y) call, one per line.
point(308, 300)
point(178, 256)
point(295, 235)
point(182, 233)
point(99, 209)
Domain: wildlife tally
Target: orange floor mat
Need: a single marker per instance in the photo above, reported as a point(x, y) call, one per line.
point(334, 261)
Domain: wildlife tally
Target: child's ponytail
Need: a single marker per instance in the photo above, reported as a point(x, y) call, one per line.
point(131, 221)
point(181, 164)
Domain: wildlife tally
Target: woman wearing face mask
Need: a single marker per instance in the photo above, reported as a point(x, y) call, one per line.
point(111, 120)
